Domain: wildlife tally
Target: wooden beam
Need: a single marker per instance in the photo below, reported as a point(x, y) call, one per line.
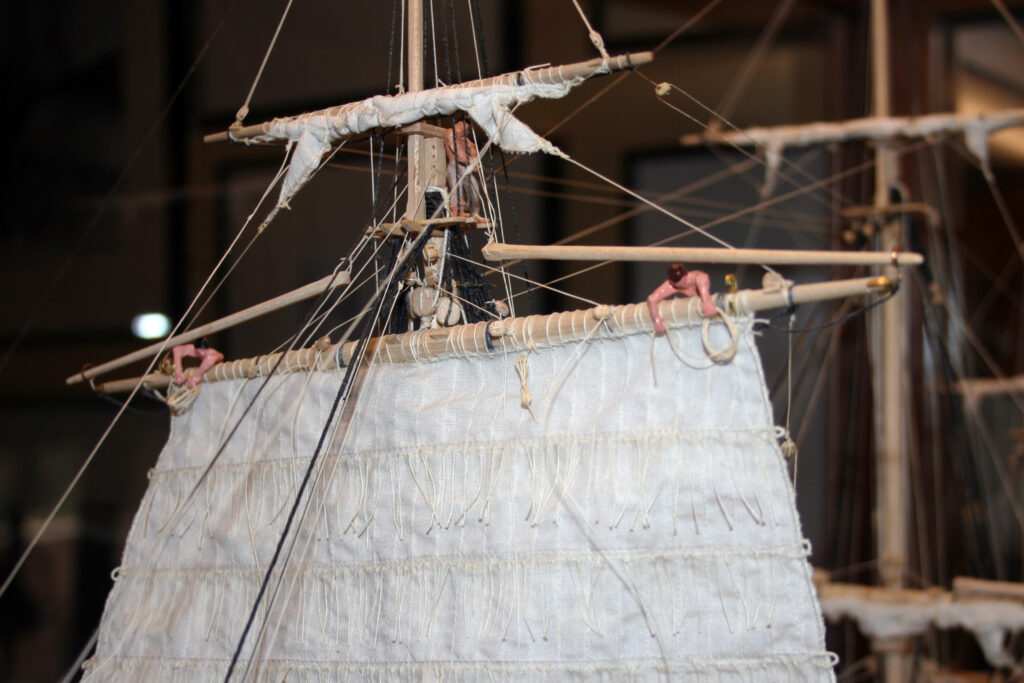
point(967, 588)
point(301, 294)
point(415, 227)
point(551, 74)
point(979, 387)
point(518, 334)
point(781, 257)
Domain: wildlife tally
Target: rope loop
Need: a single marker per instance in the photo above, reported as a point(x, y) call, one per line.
point(727, 352)
point(180, 400)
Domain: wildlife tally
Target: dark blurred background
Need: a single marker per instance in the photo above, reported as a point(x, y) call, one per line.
point(114, 207)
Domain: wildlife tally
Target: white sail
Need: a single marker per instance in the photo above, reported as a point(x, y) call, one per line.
point(887, 614)
point(635, 520)
point(489, 102)
point(976, 129)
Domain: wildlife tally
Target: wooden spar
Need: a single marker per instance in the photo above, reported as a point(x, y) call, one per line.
point(154, 380)
point(885, 596)
point(889, 369)
point(781, 257)
point(301, 294)
point(968, 588)
point(877, 127)
point(980, 387)
point(891, 616)
point(513, 335)
point(551, 74)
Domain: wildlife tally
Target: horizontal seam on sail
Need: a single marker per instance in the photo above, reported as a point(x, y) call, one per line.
point(769, 433)
point(816, 658)
point(521, 558)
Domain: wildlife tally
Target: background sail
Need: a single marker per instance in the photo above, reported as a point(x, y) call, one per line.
point(453, 533)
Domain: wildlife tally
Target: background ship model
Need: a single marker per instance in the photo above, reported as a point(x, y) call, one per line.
point(425, 244)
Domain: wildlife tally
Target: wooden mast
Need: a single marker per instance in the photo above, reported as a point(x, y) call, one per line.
point(415, 208)
point(426, 155)
point(888, 364)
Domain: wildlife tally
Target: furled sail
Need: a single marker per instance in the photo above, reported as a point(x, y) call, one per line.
point(516, 516)
point(976, 129)
point(488, 101)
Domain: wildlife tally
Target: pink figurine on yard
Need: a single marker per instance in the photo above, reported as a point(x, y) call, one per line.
point(462, 182)
point(687, 283)
point(208, 357)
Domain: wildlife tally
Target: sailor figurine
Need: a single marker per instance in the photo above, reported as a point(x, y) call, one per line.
point(463, 184)
point(687, 283)
point(208, 357)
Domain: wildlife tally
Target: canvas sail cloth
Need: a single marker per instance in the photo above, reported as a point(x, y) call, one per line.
point(490, 102)
point(632, 529)
point(490, 106)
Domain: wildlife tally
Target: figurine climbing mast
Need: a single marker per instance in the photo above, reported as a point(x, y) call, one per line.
point(463, 184)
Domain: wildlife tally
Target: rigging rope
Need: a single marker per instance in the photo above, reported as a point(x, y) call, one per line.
point(375, 302)
point(764, 41)
point(43, 298)
point(659, 208)
point(729, 124)
point(110, 427)
point(685, 26)
point(244, 109)
point(595, 37)
point(1010, 19)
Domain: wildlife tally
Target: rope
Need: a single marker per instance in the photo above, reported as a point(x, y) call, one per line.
point(764, 41)
point(685, 26)
point(534, 284)
point(732, 216)
point(391, 42)
point(106, 432)
point(662, 90)
point(377, 302)
point(653, 205)
point(522, 364)
point(180, 400)
point(42, 299)
point(728, 352)
point(788, 446)
point(1014, 25)
point(716, 356)
point(244, 111)
point(689, 23)
point(478, 39)
point(595, 37)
